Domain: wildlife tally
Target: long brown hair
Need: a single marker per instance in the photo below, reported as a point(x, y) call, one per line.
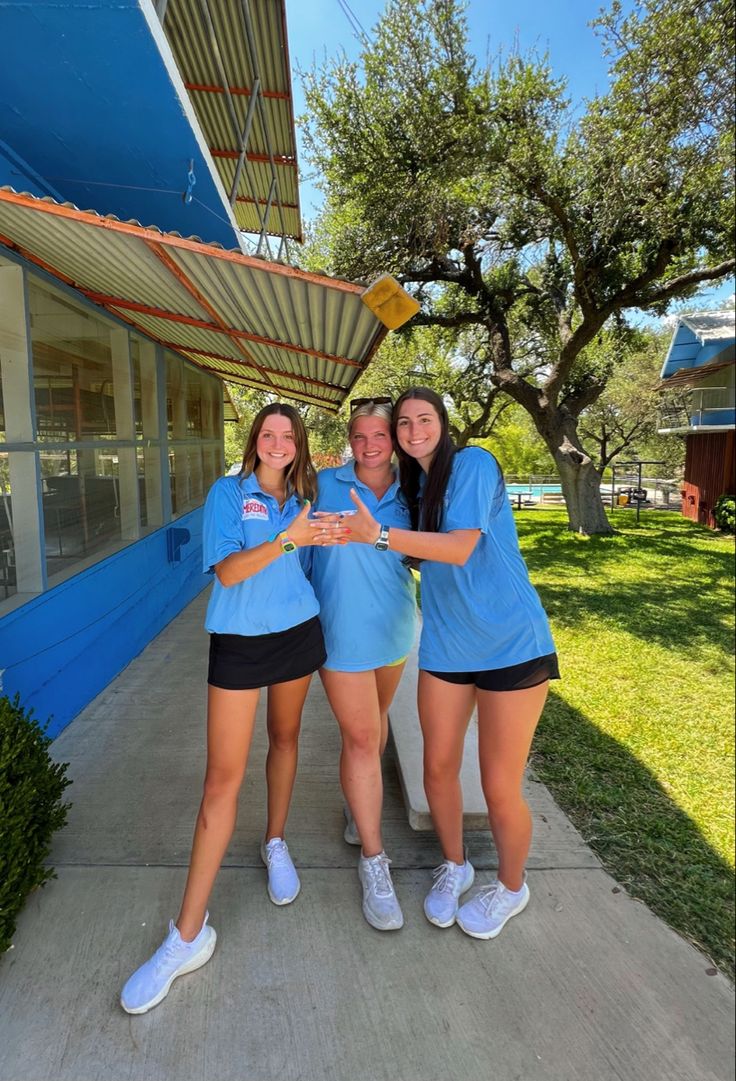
point(300, 476)
point(428, 517)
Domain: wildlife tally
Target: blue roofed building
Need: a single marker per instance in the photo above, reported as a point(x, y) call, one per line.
point(698, 386)
point(119, 324)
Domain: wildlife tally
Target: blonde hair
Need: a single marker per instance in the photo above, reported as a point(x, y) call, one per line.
point(301, 476)
point(370, 409)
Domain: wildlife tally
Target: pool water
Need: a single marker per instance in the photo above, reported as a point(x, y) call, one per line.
point(534, 490)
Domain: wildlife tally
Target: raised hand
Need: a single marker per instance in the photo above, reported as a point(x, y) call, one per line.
point(363, 526)
point(322, 532)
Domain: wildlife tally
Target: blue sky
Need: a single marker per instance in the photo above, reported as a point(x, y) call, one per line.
point(561, 28)
point(320, 28)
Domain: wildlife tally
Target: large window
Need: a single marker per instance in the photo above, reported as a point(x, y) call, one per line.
point(104, 437)
point(194, 420)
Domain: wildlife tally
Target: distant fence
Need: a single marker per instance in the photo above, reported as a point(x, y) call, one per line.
point(546, 488)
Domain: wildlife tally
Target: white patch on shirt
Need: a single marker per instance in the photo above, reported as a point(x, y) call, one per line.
point(253, 508)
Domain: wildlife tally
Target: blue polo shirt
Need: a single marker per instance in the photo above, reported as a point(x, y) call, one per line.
point(238, 515)
point(485, 614)
point(367, 598)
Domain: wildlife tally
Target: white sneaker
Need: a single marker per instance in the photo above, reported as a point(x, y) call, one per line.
point(450, 880)
point(486, 914)
point(150, 984)
point(283, 881)
point(351, 835)
point(380, 907)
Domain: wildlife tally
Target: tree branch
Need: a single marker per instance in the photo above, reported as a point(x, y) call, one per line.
point(693, 277)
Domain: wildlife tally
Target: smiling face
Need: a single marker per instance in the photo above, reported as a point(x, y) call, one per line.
point(370, 442)
point(418, 430)
point(276, 445)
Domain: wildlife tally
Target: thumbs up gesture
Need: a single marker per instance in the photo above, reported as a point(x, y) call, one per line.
point(363, 526)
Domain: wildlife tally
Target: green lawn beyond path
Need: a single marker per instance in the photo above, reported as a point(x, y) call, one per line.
point(637, 739)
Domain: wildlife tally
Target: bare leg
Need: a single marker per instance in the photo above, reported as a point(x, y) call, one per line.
point(285, 704)
point(230, 719)
point(353, 697)
point(506, 724)
point(444, 712)
point(387, 680)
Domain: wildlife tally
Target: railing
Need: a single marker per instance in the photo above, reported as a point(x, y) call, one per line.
point(697, 407)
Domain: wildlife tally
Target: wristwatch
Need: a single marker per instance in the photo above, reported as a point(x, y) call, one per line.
point(287, 544)
point(381, 545)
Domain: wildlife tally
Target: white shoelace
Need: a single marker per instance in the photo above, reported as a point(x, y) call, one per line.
point(378, 873)
point(487, 896)
point(446, 878)
point(278, 853)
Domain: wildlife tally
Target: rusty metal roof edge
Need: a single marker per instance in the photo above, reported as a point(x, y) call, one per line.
point(216, 249)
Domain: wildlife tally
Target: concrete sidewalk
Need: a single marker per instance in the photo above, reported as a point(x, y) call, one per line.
point(587, 985)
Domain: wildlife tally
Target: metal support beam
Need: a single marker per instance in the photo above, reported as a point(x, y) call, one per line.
point(244, 140)
point(222, 75)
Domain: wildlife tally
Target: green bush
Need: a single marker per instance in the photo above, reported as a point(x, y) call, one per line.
point(31, 810)
point(724, 513)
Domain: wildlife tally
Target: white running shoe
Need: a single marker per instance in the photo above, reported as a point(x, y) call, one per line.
point(450, 880)
point(351, 835)
point(150, 984)
point(380, 906)
point(283, 881)
point(486, 914)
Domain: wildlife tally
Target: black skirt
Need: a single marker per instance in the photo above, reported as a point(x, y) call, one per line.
point(244, 662)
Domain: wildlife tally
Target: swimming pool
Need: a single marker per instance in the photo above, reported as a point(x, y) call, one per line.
point(534, 491)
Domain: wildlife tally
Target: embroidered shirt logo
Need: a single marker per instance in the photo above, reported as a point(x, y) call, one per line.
point(253, 508)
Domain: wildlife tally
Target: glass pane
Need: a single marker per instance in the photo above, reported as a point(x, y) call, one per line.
point(212, 390)
point(73, 374)
point(194, 401)
point(143, 358)
point(81, 505)
point(176, 406)
point(187, 481)
point(7, 547)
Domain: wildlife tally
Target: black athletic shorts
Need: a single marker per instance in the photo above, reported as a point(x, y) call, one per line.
point(243, 662)
point(516, 677)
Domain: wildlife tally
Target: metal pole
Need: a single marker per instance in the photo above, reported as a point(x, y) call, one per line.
point(222, 75)
point(244, 141)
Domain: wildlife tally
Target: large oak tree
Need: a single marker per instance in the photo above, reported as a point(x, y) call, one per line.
point(521, 223)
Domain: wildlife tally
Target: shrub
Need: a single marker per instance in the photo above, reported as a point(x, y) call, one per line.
point(724, 513)
point(31, 810)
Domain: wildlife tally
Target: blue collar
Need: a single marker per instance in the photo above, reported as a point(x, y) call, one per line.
point(347, 473)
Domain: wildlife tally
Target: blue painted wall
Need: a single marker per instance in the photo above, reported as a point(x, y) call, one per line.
point(63, 647)
point(87, 101)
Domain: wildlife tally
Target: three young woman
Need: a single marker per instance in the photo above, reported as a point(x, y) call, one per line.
point(485, 640)
point(264, 632)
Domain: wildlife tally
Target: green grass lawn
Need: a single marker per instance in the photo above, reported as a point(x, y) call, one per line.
point(637, 740)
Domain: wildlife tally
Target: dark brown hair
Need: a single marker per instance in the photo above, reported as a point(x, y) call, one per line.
point(301, 476)
point(428, 517)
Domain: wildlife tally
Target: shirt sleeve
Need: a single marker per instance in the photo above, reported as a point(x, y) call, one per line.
point(475, 493)
point(223, 526)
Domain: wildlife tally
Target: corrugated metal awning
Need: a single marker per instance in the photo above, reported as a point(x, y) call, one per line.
point(690, 377)
point(233, 57)
point(258, 323)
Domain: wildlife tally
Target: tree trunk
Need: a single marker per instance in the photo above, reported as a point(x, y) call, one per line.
point(581, 482)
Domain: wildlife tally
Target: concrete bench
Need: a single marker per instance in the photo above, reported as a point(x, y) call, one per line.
point(552, 498)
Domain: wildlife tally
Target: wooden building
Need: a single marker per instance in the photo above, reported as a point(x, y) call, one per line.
point(699, 400)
